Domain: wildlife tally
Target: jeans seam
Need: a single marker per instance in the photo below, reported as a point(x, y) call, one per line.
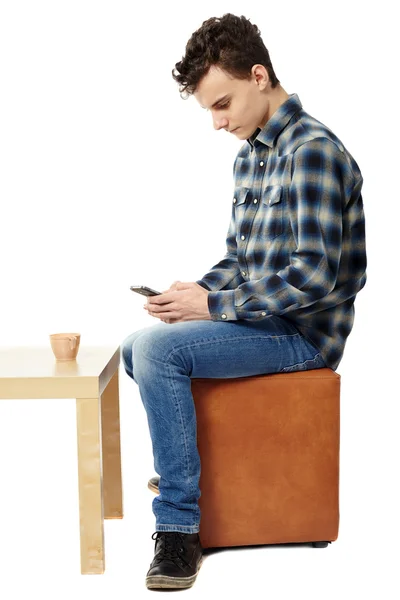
point(178, 406)
point(318, 355)
point(231, 339)
point(176, 525)
point(180, 528)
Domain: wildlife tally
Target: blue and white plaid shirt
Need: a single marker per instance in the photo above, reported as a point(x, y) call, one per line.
point(296, 237)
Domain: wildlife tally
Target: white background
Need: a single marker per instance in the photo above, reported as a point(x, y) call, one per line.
point(109, 178)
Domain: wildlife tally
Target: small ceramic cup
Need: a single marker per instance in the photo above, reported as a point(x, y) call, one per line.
point(65, 346)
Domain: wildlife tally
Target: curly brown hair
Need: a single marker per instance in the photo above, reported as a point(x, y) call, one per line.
point(230, 42)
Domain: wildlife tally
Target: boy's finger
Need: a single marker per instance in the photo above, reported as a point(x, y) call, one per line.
point(161, 298)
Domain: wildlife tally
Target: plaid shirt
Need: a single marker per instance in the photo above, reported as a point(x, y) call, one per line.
point(296, 237)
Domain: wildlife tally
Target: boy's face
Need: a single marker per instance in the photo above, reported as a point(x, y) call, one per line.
point(244, 108)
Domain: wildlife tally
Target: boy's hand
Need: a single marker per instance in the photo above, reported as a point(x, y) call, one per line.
point(188, 301)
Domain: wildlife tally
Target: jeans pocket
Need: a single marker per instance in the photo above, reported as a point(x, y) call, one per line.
point(313, 363)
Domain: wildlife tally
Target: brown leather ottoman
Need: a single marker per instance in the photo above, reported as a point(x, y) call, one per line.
point(269, 450)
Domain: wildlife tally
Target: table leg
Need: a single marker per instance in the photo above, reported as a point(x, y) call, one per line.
point(91, 511)
point(111, 450)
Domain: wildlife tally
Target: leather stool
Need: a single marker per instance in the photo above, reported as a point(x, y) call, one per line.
point(269, 451)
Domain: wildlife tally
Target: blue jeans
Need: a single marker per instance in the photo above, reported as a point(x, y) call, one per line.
point(164, 357)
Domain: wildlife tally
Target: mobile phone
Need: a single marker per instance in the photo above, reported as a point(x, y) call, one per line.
point(144, 290)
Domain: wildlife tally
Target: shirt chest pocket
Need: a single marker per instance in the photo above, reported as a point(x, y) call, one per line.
point(239, 203)
point(272, 212)
point(240, 196)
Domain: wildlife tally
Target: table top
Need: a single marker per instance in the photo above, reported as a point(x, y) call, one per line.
point(39, 361)
point(34, 371)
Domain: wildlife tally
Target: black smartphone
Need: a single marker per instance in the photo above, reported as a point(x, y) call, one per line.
point(144, 290)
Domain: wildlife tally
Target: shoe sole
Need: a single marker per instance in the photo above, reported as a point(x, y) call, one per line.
point(163, 581)
point(153, 488)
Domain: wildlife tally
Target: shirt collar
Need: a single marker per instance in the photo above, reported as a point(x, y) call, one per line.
point(281, 117)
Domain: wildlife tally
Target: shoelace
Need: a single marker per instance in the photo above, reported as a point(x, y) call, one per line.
point(171, 545)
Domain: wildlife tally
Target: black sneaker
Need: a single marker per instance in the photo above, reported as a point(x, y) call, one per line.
point(177, 560)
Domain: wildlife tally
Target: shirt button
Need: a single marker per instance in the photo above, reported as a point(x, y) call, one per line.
point(234, 200)
point(263, 314)
point(243, 238)
point(223, 316)
point(262, 163)
point(255, 200)
point(243, 272)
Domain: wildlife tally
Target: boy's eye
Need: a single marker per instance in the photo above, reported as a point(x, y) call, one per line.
point(223, 105)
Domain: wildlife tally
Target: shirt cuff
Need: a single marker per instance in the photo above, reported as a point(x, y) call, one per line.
point(222, 306)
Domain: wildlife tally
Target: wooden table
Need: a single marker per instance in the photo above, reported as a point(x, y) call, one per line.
point(92, 378)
